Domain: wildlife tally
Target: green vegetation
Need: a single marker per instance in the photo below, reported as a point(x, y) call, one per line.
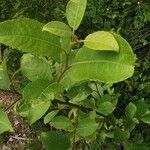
point(77, 78)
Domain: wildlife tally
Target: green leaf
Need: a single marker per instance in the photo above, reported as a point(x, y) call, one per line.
point(55, 141)
point(101, 40)
point(62, 122)
point(58, 28)
point(140, 147)
point(26, 35)
point(86, 127)
point(34, 67)
point(106, 108)
point(130, 111)
point(50, 116)
point(128, 145)
point(65, 43)
point(4, 78)
point(142, 108)
point(120, 135)
point(146, 118)
point(79, 97)
point(5, 124)
point(37, 97)
point(107, 67)
point(130, 125)
point(75, 11)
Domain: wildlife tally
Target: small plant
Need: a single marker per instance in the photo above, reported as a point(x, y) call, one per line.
point(71, 81)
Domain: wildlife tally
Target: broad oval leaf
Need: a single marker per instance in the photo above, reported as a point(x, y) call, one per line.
point(34, 67)
point(142, 108)
point(146, 118)
point(58, 28)
point(75, 11)
point(107, 67)
point(86, 127)
point(62, 122)
point(50, 116)
point(26, 35)
point(130, 111)
point(101, 40)
point(106, 108)
point(37, 97)
point(55, 141)
point(120, 135)
point(4, 78)
point(5, 124)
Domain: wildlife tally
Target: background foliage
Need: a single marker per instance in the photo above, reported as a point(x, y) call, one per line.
point(130, 18)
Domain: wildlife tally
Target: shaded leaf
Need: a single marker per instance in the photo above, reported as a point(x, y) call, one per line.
point(120, 136)
point(86, 127)
point(37, 97)
point(50, 116)
point(79, 97)
point(142, 108)
point(34, 67)
point(130, 111)
point(62, 122)
point(4, 78)
point(146, 118)
point(128, 145)
point(55, 141)
point(106, 108)
point(5, 124)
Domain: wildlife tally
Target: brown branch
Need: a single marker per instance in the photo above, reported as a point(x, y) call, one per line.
point(11, 105)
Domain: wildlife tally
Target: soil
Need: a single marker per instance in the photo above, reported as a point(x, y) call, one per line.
point(22, 135)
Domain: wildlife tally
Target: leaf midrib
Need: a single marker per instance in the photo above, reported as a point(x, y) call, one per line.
point(31, 37)
point(78, 6)
point(99, 61)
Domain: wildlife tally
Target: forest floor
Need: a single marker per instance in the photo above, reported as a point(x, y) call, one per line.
point(22, 134)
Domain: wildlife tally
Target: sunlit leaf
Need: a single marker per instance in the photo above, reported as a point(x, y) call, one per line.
point(26, 35)
point(58, 28)
point(101, 40)
point(75, 11)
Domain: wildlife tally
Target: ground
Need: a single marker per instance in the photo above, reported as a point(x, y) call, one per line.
point(22, 135)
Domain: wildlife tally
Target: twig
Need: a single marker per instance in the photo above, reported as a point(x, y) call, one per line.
point(20, 138)
point(11, 105)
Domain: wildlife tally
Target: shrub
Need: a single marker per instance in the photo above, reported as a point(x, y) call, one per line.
point(71, 82)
